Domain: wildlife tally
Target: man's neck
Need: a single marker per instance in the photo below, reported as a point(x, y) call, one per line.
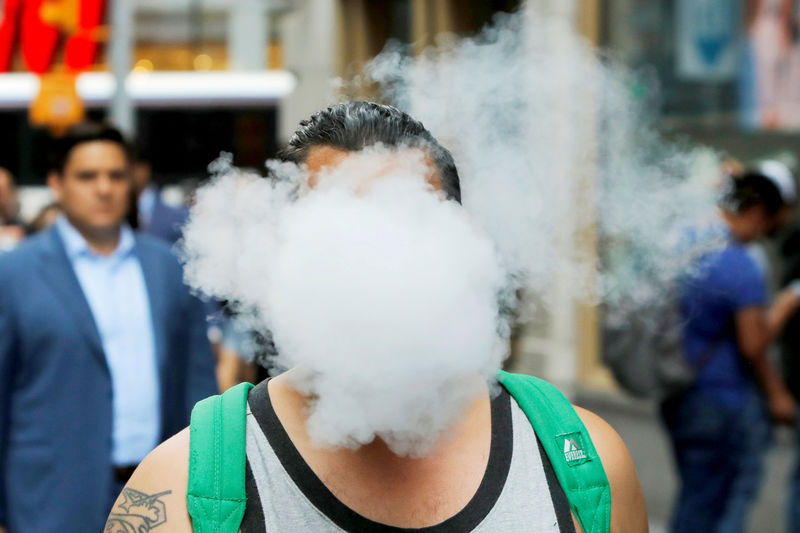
point(731, 221)
point(101, 241)
point(377, 483)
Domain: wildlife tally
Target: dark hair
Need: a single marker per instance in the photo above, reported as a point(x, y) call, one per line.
point(85, 132)
point(752, 189)
point(353, 126)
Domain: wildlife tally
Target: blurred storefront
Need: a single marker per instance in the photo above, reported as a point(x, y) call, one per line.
point(204, 77)
point(723, 73)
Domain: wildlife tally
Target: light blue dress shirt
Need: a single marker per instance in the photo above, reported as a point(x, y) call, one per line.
point(115, 288)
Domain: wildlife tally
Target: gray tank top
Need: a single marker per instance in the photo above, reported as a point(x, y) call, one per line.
point(518, 493)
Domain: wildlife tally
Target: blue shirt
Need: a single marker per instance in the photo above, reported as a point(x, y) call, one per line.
point(724, 282)
point(115, 288)
point(145, 206)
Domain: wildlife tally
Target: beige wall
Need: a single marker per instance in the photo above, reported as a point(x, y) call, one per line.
point(311, 50)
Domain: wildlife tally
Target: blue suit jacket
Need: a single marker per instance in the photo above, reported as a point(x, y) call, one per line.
point(55, 386)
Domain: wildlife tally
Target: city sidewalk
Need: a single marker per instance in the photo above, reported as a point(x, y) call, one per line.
point(639, 426)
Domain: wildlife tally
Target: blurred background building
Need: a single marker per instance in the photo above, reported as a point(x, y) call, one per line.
point(720, 71)
point(205, 76)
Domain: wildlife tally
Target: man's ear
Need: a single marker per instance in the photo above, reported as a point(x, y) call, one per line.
point(54, 182)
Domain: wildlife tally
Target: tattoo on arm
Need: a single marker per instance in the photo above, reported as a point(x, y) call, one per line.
point(138, 512)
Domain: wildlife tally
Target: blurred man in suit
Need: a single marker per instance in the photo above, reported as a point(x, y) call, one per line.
point(153, 216)
point(103, 351)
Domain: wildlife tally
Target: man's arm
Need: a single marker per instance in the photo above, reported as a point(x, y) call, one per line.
point(628, 513)
point(757, 329)
point(786, 305)
point(754, 335)
point(154, 499)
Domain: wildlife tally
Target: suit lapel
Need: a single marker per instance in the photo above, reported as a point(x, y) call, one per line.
point(56, 269)
point(154, 279)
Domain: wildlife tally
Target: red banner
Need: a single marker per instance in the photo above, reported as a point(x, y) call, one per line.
point(8, 30)
point(21, 21)
point(82, 47)
point(38, 40)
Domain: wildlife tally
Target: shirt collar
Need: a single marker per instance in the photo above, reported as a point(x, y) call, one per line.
point(76, 246)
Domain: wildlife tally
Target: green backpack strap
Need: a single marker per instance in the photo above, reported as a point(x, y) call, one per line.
point(216, 496)
point(567, 444)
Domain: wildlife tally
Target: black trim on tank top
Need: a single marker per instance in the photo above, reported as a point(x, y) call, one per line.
point(253, 520)
point(557, 494)
point(476, 510)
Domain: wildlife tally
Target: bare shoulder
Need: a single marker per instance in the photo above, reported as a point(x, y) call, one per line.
point(628, 514)
point(154, 499)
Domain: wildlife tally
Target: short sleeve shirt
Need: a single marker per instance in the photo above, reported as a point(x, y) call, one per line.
point(725, 282)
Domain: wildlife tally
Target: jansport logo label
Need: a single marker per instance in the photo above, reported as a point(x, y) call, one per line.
point(572, 451)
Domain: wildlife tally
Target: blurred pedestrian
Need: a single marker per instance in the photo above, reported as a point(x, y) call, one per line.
point(103, 351)
point(45, 218)
point(153, 216)
point(781, 176)
point(720, 426)
point(279, 478)
point(790, 356)
point(11, 228)
point(236, 351)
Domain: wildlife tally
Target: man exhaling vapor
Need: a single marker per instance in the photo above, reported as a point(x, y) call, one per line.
point(513, 455)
